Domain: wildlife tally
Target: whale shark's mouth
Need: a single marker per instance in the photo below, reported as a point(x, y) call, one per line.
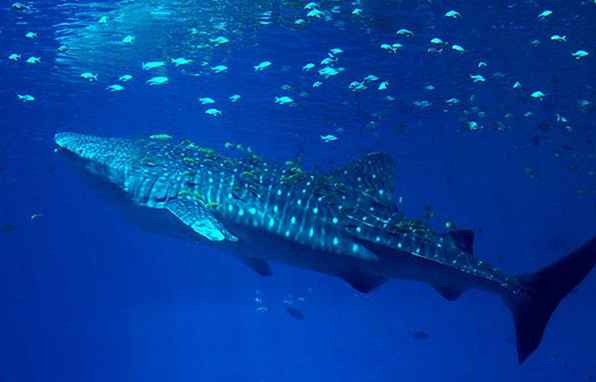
point(72, 142)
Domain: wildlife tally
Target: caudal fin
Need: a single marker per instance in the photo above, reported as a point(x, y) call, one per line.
point(542, 292)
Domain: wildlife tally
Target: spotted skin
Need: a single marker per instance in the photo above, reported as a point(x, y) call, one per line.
point(343, 223)
point(337, 213)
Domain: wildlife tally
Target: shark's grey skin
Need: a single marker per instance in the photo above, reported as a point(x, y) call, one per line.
point(343, 223)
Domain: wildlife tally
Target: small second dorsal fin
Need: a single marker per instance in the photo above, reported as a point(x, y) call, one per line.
point(448, 292)
point(260, 266)
point(363, 282)
point(463, 239)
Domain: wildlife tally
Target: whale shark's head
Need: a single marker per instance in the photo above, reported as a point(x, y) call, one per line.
point(102, 156)
point(83, 146)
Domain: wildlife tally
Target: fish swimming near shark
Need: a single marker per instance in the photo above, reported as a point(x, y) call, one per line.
point(342, 223)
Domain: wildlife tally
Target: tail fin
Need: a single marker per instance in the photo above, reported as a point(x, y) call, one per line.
point(542, 292)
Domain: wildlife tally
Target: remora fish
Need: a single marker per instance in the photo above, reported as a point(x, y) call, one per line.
point(343, 223)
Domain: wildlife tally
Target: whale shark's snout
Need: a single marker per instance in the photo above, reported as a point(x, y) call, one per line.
point(78, 144)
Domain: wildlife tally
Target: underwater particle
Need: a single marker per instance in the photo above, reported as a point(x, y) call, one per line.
point(295, 312)
point(538, 95)
point(428, 212)
point(357, 86)
point(517, 85)
point(544, 14)
point(262, 309)
point(473, 125)
point(19, 6)
point(206, 100)
point(424, 104)
point(213, 112)
point(383, 85)
point(482, 64)
point(420, 335)
point(308, 67)
point(453, 14)
point(357, 12)
point(284, 100)
point(219, 69)
point(583, 103)
point(452, 101)
point(371, 78)
point(25, 97)
point(558, 38)
point(125, 78)
point(328, 138)
point(580, 54)
point(31, 35)
point(89, 76)
point(458, 48)
point(328, 71)
point(316, 84)
point(33, 60)
point(262, 66)
point(103, 20)
point(530, 172)
point(327, 61)
point(449, 225)
point(310, 6)
point(404, 32)
point(314, 13)
point(180, 61)
point(7, 228)
point(36, 216)
point(220, 40)
point(14, 57)
point(392, 48)
point(153, 65)
point(115, 88)
point(157, 80)
point(234, 98)
point(160, 137)
point(477, 78)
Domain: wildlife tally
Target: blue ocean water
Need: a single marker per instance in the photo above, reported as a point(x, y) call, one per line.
point(88, 296)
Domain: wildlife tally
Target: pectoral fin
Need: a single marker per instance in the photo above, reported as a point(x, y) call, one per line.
point(199, 219)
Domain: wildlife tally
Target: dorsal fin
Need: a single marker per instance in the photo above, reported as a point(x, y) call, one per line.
point(372, 174)
point(463, 239)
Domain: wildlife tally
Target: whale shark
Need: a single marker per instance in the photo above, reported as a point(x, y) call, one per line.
point(344, 223)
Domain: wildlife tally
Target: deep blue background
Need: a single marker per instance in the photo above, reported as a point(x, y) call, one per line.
point(88, 296)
